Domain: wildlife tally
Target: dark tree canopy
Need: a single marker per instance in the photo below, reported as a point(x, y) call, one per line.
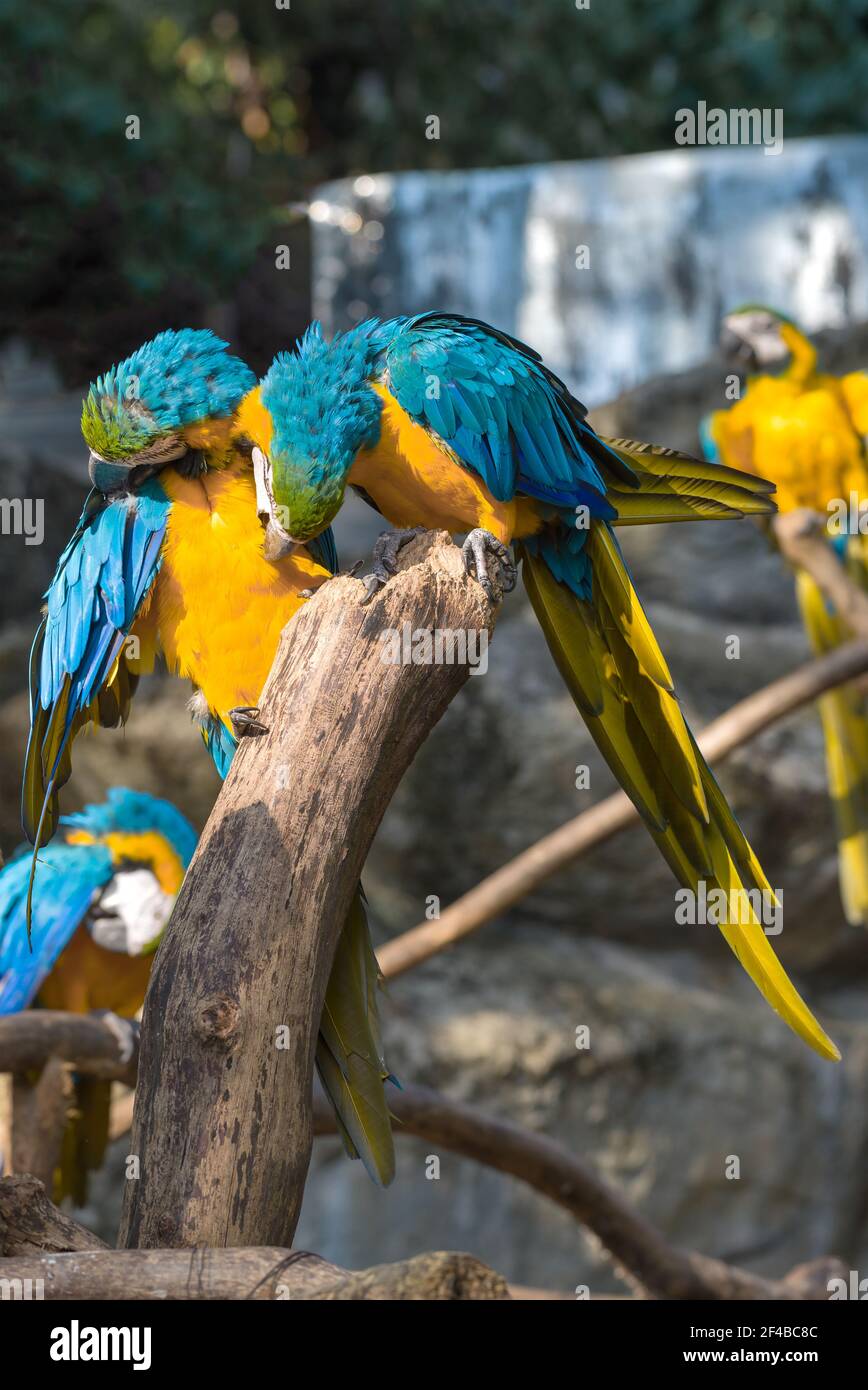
point(244, 109)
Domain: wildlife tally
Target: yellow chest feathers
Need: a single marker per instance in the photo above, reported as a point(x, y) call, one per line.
point(220, 606)
point(804, 438)
point(415, 481)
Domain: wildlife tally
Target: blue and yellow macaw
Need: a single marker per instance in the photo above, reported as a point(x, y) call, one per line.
point(105, 893)
point(169, 556)
point(442, 421)
point(807, 431)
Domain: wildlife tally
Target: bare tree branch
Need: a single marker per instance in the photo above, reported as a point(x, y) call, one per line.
point(40, 1111)
point(255, 1273)
point(804, 541)
point(30, 1224)
point(529, 869)
point(646, 1259)
point(250, 943)
point(100, 1044)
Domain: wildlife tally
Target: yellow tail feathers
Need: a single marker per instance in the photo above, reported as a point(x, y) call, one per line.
point(608, 655)
point(349, 1055)
point(677, 487)
point(844, 714)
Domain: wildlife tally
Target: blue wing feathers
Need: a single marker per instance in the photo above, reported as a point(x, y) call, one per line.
point(491, 400)
point(67, 878)
point(102, 579)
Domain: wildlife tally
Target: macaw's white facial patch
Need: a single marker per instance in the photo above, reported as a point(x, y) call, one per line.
point(134, 911)
point(262, 478)
point(761, 332)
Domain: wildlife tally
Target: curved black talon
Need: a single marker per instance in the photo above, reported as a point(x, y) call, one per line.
point(475, 562)
point(245, 721)
point(386, 549)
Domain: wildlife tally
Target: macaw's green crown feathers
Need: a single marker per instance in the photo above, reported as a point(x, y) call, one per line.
point(322, 411)
point(172, 381)
point(762, 309)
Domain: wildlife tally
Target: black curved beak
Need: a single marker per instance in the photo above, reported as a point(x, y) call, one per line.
point(111, 477)
point(736, 350)
point(277, 542)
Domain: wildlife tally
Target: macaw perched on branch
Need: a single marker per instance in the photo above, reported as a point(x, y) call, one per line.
point(168, 556)
point(442, 421)
point(102, 900)
point(807, 432)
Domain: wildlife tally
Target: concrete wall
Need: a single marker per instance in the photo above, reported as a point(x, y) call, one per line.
point(674, 240)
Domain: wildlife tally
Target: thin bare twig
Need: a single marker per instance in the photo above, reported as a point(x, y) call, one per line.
point(638, 1248)
point(553, 852)
point(803, 540)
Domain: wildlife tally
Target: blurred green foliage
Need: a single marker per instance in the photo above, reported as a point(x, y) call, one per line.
point(244, 108)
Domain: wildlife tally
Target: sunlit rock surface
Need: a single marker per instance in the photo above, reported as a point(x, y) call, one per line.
point(673, 240)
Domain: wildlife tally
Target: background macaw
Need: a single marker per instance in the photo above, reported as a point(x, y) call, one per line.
point(102, 900)
point(443, 421)
point(168, 556)
point(807, 432)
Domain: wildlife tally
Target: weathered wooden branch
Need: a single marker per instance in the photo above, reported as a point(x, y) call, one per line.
point(253, 1273)
point(92, 1042)
point(30, 1224)
point(554, 851)
point(640, 1251)
point(39, 1116)
point(100, 1044)
point(803, 539)
point(38, 1242)
point(637, 1248)
point(222, 1124)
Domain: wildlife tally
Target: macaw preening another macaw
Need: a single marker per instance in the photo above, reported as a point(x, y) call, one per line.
point(102, 899)
point(442, 421)
point(807, 432)
point(169, 556)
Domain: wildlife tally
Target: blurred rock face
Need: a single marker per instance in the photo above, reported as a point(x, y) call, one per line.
point(686, 1066)
point(612, 269)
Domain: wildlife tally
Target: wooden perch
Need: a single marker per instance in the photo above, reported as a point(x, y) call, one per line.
point(222, 1123)
point(607, 818)
point(257, 1273)
point(39, 1117)
point(38, 1242)
point(30, 1224)
point(637, 1247)
point(648, 1261)
point(53, 1043)
point(100, 1044)
point(803, 539)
